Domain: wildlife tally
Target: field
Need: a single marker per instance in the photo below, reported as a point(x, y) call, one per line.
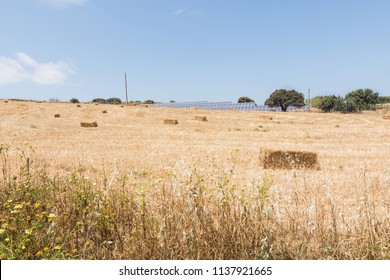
point(136, 188)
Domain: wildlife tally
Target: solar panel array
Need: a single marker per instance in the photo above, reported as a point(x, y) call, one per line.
point(228, 105)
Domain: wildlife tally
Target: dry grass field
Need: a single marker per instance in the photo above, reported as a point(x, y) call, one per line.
point(136, 188)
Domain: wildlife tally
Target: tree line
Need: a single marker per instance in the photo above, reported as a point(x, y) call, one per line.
point(357, 100)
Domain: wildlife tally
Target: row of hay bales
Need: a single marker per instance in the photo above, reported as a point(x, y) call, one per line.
point(174, 121)
point(85, 124)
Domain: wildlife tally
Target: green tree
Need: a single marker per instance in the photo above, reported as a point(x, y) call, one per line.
point(363, 98)
point(245, 99)
point(114, 100)
point(149, 101)
point(285, 98)
point(74, 100)
point(328, 103)
point(315, 101)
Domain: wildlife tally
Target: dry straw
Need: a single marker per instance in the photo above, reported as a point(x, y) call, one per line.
point(265, 118)
point(88, 124)
point(170, 121)
point(385, 117)
point(276, 159)
point(201, 118)
point(57, 116)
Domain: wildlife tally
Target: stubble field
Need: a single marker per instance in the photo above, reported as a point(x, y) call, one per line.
point(136, 188)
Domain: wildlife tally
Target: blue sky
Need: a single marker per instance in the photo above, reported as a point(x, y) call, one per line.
point(191, 50)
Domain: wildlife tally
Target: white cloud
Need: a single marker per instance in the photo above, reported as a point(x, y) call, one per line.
point(64, 3)
point(178, 12)
point(25, 68)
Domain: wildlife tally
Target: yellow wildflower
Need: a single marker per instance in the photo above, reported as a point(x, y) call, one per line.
point(46, 249)
point(18, 206)
point(58, 247)
point(74, 251)
point(40, 253)
point(5, 225)
point(6, 240)
point(51, 217)
point(37, 205)
point(87, 244)
point(28, 231)
point(2, 231)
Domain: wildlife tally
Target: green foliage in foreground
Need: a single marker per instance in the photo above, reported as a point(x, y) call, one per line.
point(138, 215)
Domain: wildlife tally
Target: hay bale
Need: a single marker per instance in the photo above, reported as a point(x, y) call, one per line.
point(276, 159)
point(201, 118)
point(265, 118)
point(57, 116)
point(5, 101)
point(170, 121)
point(78, 105)
point(88, 124)
point(104, 111)
point(386, 117)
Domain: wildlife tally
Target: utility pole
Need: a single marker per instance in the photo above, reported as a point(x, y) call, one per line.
point(127, 99)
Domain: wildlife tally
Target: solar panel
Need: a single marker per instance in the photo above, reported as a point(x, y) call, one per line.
point(225, 105)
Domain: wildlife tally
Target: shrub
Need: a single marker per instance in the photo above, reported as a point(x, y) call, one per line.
point(245, 99)
point(99, 100)
point(114, 100)
point(74, 100)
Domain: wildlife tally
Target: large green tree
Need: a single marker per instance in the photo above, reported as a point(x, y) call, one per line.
point(285, 98)
point(363, 98)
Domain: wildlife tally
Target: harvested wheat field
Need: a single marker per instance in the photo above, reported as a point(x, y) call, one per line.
point(135, 188)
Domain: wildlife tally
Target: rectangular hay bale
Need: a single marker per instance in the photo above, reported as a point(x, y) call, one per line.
point(57, 116)
point(201, 118)
point(88, 124)
point(276, 159)
point(170, 121)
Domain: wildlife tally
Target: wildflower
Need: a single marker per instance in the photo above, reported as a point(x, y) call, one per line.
point(37, 205)
point(59, 239)
point(39, 253)
point(46, 249)
point(18, 206)
point(87, 244)
point(6, 240)
point(28, 231)
point(15, 212)
point(58, 247)
point(74, 251)
point(51, 217)
point(224, 201)
point(2, 231)
point(5, 225)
